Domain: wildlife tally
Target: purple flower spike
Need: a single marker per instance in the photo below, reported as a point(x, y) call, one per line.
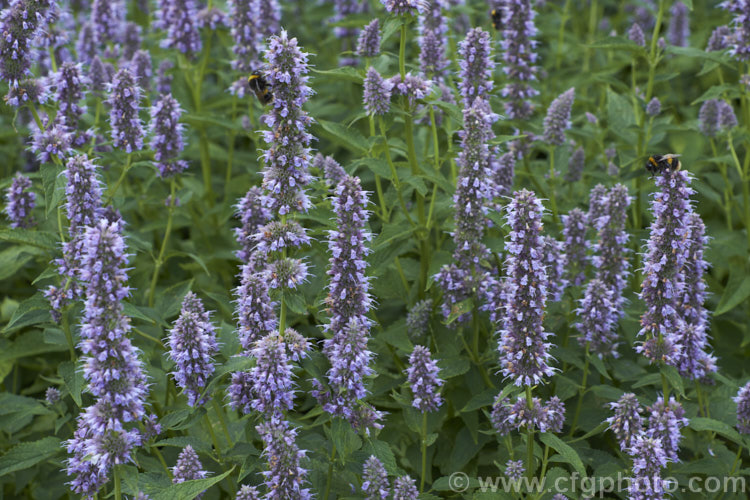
point(377, 93)
point(693, 360)
point(476, 66)
point(500, 417)
point(105, 435)
point(422, 375)
point(719, 40)
point(598, 316)
point(514, 469)
point(131, 40)
point(664, 423)
point(727, 118)
point(188, 467)
point(743, 409)
point(557, 120)
point(418, 319)
point(180, 20)
point(635, 34)
point(519, 55)
point(141, 66)
point(610, 259)
point(52, 395)
point(332, 171)
point(403, 7)
point(69, 83)
point(54, 140)
point(33, 90)
point(285, 478)
point(653, 108)
point(21, 22)
point(503, 172)
point(86, 45)
point(20, 202)
point(248, 493)
point(125, 100)
point(271, 377)
point(244, 28)
point(375, 484)
point(412, 87)
point(192, 344)
point(288, 153)
point(554, 258)
point(252, 215)
point(576, 245)
point(648, 461)
point(524, 352)
point(105, 20)
point(405, 488)
point(666, 254)
point(708, 117)
point(626, 423)
point(166, 136)
point(368, 44)
point(576, 164)
point(678, 31)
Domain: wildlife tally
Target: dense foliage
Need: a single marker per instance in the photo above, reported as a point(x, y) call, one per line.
point(359, 249)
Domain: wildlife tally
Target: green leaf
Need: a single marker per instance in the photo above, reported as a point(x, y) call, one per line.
point(376, 165)
point(709, 424)
point(599, 365)
point(346, 73)
point(169, 301)
point(181, 441)
point(347, 137)
point(41, 239)
point(14, 258)
point(484, 398)
point(391, 26)
point(28, 454)
point(453, 367)
point(31, 311)
point(620, 114)
point(735, 293)
point(674, 379)
point(650, 379)
point(569, 454)
point(295, 301)
point(459, 309)
point(73, 380)
point(344, 438)
point(190, 489)
point(29, 344)
point(54, 185)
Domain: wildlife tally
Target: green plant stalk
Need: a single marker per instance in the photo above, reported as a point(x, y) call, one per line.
point(113, 191)
point(97, 117)
point(378, 185)
point(68, 333)
point(424, 451)
point(118, 492)
point(561, 33)
point(665, 388)
point(593, 11)
point(745, 181)
point(329, 477)
point(394, 173)
point(582, 390)
point(230, 151)
point(653, 60)
point(165, 240)
point(552, 183)
point(727, 186)
point(214, 440)
point(220, 413)
point(530, 437)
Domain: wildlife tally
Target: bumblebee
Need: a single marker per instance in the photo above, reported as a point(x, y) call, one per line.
point(258, 84)
point(660, 163)
point(497, 19)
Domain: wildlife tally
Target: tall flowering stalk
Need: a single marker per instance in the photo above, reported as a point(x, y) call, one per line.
point(743, 409)
point(554, 258)
point(375, 483)
point(105, 21)
point(69, 84)
point(476, 66)
point(21, 22)
point(192, 344)
point(180, 20)
point(243, 28)
point(167, 136)
point(252, 215)
point(20, 201)
point(473, 190)
point(557, 120)
point(648, 461)
point(422, 375)
point(610, 251)
point(433, 40)
point(626, 423)
point(519, 55)
point(664, 423)
point(524, 352)
point(105, 436)
point(678, 31)
point(576, 245)
point(368, 44)
point(598, 317)
point(285, 477)
point(125, 100)
point(739, 41)
point(342, 9)
point(666, 254)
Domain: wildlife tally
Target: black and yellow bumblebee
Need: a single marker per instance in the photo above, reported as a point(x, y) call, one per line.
point(660, 163)
point(259, 85)
point(497, 19)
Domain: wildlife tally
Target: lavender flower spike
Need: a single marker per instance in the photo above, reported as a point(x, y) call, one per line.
point(166, 136)
point(180, 19)
point(192, 344)
point(375, 480)
point(285, 478)
point(648, 460)
point(598, 317)
point(403, 7)
point(288, 154)
point(524, 352)
point(611, 249)
point(69, 83)
point(125, 99)
point(476, 66)
point(635, 34)
point(554, 257)
point(557, 120)
point(104, 19)
point(576, 164)
point(666, 253)
point(519, 55)
point(653, 107)
point(20, 202)
point(252, 215)
point(405, 488)
point(248, 493)
point(21, 21)
point(271, 377)
point(422, 375)
point(576, 245)
point(188, 467)
point(678, 31)
point(626, 422)
point(433, 39)
point(377, 93)
point(743, 409)
point(368, 44)
point(664, 423)
point(739, 41)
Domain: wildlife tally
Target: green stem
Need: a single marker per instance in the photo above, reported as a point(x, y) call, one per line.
point(653, 59)
point(329, 478)
point(394, 173)
point(68, 333)
point(529, 438)
point(220, 413)
point(727, 186)
point(424, 451)
point(214, 440)
point(378, 184)
point(118, 492)
point(552, 182)
point(593, 11)
point(582, 390)
point(665, 388)
point(402, 51)
point(230, 152)
point(561, 34)
point(167, 231)
point(113, 191)
point(745, 181)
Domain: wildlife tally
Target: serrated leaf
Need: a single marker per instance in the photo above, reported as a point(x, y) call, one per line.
point(709, 424)
point(735, 293)
point(484, 398)
point(453, 367)
point(29, 344)
point(346, 73)
point(347, 137)
point(14, 258)
point(31, 311)
point(170, 300)
point(182, 441)
point(190, 489)
point(295, 301)
point(26, 455)
point(344, 438)
point(73, 380)
point(54, 185)
point(41, 239)
point(568, 453)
